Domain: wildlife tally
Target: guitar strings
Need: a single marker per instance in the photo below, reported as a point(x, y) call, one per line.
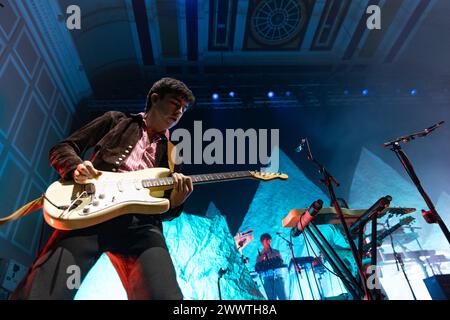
point(71, 204)
point(169, 180)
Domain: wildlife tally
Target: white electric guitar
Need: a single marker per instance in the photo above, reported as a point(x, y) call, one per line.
point(70, 206)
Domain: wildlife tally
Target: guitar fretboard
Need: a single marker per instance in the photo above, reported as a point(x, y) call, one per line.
point(199, 178)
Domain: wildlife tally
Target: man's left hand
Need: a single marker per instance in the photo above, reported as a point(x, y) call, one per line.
point(182, 189)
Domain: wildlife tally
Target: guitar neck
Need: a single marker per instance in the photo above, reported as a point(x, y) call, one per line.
point(383, 235)
point(199, 179)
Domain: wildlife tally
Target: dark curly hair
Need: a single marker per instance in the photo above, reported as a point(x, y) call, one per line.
point(170, 86)
point(265, 236)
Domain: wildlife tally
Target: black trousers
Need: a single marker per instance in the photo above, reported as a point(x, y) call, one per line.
point(135, 245)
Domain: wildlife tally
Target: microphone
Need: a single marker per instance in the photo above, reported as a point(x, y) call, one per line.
point(246, 232)
point(301, 145)
point(376, 208)
point(432, 128)
point(413, 136)
point(307, 217)
point(223, 271)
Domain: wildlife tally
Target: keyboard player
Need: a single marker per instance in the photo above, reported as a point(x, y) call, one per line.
point(269, 265)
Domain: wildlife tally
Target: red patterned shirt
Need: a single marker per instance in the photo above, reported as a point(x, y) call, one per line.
point(143, 154)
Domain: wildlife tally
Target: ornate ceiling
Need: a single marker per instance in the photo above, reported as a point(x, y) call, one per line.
point(132, 42)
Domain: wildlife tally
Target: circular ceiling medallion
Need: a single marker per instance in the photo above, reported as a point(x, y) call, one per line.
point(277, 21)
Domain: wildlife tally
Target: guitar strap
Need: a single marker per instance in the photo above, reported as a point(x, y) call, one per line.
point(171, 155)
point(37, 204)
point(31, 206)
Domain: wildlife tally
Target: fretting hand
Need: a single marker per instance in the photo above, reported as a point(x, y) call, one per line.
point(182, 188)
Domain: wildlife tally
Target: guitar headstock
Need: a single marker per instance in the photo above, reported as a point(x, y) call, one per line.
point(267, 176)
point(401, 211)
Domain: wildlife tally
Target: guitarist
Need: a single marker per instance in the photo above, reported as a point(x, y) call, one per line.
point(134, 243)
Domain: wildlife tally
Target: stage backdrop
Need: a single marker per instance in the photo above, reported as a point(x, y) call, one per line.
point(41, 84)
point(200, 247)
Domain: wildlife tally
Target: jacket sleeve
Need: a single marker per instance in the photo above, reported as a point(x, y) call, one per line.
point(67, 155)
point(172, 213)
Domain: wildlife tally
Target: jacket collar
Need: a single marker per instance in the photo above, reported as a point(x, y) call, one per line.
point(140, 118)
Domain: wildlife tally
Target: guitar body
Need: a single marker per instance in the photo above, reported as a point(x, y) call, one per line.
point(70, 206)
point(104, 198)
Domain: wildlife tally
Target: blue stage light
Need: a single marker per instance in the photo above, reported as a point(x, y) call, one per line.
point(346, 92)
point(288, 93)
point(270, 94)
point(231, 94)
point(215, 96)
point(365, 92)
point(413, 92)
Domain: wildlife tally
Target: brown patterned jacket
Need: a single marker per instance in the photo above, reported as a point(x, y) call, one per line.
point(110, 137)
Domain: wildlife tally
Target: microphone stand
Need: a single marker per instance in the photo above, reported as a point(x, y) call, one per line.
point(221, 273)
point(328, 180)
point(297, 268)
point(401, 155)
point(399, 261)
point(426, 257)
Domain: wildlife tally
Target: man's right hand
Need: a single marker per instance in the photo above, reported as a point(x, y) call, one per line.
point(84, 172)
